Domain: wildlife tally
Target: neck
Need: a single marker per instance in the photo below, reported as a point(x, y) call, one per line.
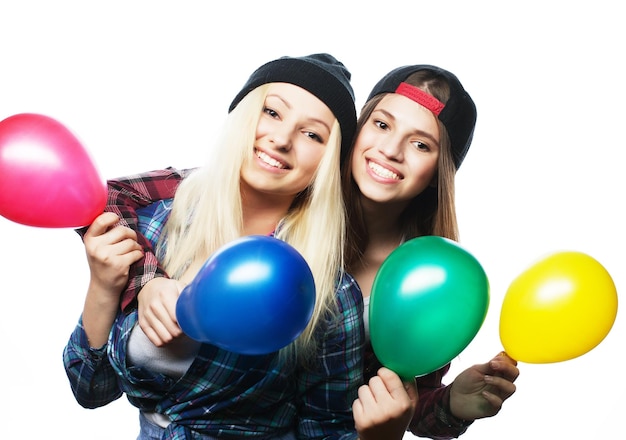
point(383, 222)
point(262, 212)
point(384, 236)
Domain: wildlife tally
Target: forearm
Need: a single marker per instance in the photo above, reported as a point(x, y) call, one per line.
point(125, 197)
point(99, 313)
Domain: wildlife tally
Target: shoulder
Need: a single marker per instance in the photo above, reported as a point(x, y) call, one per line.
point(349, 294)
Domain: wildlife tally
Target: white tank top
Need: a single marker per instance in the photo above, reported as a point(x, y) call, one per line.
point(366, 317)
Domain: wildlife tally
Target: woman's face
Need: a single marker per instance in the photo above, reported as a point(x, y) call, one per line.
point(291, 138)
point(396, 152)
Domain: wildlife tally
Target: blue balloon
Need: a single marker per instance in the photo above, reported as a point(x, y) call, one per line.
point(253, 296)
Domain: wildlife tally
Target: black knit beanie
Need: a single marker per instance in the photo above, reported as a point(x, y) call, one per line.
point(458, 114)
point(322, 75)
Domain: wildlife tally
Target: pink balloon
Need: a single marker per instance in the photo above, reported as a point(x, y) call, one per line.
point(47, 178)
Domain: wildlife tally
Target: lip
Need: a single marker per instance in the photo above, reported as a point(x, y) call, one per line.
point(387, 168)
point(284, 166)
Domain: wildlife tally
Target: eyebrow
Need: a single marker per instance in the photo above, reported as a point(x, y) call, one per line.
point(415, 130)
point(289, 106)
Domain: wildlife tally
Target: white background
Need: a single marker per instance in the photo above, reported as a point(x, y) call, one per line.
point(145, 85)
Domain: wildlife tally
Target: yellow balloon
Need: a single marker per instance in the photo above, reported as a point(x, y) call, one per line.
point(558, 309)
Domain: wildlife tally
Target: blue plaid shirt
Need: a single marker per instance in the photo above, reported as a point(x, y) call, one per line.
point(224, 394)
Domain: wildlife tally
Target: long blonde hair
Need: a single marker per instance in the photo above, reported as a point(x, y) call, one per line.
point(207, 212)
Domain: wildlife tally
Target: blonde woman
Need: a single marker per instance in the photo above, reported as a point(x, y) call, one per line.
point(275, 171)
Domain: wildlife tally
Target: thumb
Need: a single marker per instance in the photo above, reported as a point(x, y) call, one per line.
point(396, 386)
point(411, 390)
point(101, 224)
point(181, 286)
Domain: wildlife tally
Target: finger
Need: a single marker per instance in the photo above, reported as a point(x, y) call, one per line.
point(494, 402)
point(366, 397)
point(127, 246)
point(110, 244)
point(117, 254)
point(120, 233)
point(152, 336)
point(131, 257)
point(166, 314)
point(411, 390)
point(360, 414)
point(101, 224)
point(155, 331)
point(377, 389)
point(357, 409)
point(171, 320)
point(173, 329)
point(164, 335)
point(393, 384)
point(500, 365)
point(158, 321)
point(504, 354)
point(505, 369)
point(503, 387)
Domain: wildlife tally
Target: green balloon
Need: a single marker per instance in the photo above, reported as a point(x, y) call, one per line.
point(428, 301)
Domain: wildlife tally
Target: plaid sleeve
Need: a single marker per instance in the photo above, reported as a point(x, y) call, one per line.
point(331, 387)
point(92, 378)
point(125, 196)
point(433, 418)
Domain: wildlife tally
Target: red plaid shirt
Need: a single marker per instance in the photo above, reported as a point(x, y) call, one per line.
point(125, 196)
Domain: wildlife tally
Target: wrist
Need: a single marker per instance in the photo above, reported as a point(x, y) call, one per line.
point(447, 414)
point(102, 297)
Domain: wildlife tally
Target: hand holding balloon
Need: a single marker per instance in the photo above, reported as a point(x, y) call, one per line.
point(47, 179)
point(428, 301)
point(253, 296)
point(558, 309)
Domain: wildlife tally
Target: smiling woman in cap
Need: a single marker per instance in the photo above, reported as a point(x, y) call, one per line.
point(275, 171)
point(412, 135)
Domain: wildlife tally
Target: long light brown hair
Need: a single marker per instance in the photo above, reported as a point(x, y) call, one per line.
point(431, 212)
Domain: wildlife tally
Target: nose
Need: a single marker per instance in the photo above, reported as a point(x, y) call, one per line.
point(281, 137)
point(392, 148)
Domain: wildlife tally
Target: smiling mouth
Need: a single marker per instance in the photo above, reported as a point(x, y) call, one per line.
point(381, 171)
point(269, 160)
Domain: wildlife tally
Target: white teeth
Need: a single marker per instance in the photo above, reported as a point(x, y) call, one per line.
point(269, 160)
point(382, 172)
